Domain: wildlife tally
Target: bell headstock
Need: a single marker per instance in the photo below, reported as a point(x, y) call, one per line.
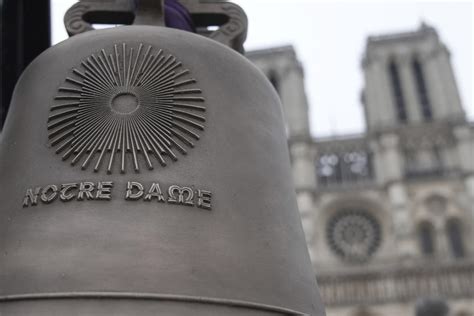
point(223, 22)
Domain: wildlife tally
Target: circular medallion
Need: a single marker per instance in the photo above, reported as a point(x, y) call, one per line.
point(354, 234)
point(130, 105)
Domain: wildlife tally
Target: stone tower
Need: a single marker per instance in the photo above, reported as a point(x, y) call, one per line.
point(416, 127)
point(409, 80)
point(388, 213)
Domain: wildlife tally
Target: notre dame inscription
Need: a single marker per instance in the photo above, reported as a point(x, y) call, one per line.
point(102, 190)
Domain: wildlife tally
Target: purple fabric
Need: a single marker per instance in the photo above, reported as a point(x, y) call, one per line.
point(178, 17)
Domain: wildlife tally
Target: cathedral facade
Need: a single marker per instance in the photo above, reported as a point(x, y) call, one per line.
point(388, 214)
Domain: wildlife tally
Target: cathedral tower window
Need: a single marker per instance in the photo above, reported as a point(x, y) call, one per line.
point(421, 89)
point(427, 238)
point(397, 92)
point(454, 233)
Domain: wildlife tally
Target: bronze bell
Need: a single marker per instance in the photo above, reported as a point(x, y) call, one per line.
point(145, 172)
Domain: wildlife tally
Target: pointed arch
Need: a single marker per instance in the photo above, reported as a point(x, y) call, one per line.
point(426, 236)
point(454, 233)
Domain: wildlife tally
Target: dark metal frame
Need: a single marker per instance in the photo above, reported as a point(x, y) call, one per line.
point(25, 33)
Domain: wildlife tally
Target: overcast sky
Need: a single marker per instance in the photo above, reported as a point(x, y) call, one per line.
point(329, 38)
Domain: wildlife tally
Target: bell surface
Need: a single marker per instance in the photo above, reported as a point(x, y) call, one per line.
point(145, 171)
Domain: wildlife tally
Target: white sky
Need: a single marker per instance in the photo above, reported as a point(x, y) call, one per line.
point(329, 37)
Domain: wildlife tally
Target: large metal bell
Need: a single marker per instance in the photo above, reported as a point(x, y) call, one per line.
point(145, 171)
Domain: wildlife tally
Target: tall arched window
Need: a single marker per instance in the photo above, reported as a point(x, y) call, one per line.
point(421, 89)
point(426, 234)
point(397, 91)
point(454, 232)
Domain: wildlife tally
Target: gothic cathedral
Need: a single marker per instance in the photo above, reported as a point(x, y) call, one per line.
point(388, 214)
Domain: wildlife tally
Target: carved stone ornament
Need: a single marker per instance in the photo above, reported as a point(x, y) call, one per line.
point(127, 102)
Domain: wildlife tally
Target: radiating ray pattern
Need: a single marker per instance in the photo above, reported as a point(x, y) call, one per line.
point(130, 105)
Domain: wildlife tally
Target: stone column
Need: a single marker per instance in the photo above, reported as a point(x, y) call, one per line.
point(379, 98)
point(434, 85)
point(293, 97)
point(378, 162)
point(465, 145)
point(392, 157)
point(398, 197)
point(409, 89)
point(402, 220)
point(303, 164)
point(307, 212)
point(304, 177)
point(454, 106)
